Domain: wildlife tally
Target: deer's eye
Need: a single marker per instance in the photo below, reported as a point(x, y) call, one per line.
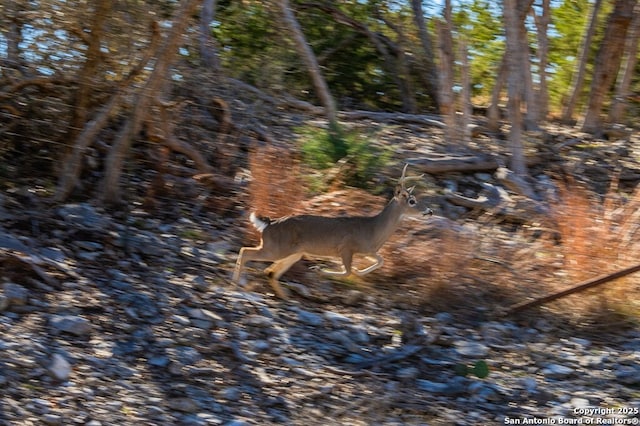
point(412, 201)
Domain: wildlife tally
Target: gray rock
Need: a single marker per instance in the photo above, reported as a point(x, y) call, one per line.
point(83, 216)
point(60, 368)
point(76, 325)
point(455, 386)
point(15, 294)
point(183, 404)
point(310, 318)
point(628, 374)
point(557, 371)
point(407, 373)
point(4, 303)
point(471, 349)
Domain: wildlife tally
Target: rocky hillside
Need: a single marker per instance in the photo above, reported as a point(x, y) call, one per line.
point(130, 318)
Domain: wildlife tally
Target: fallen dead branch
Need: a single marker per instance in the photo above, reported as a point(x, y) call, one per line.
point(603, 279)
point(16, 260)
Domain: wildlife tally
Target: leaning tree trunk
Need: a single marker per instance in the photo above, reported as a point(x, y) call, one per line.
point(578, 80)
point(607, 63)
point(620, 100)
point(144, 98)
point(322, 90)
point(71, 166)
point(88, 75)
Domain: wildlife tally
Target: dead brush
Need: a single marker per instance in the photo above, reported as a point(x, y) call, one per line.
point(432, 261)
point(599, 237)
point(274, 188)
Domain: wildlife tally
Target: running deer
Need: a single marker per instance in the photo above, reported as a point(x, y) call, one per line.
point(288, 239)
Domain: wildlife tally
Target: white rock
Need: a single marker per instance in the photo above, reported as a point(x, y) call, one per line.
point(471, 349)
point(60, 369)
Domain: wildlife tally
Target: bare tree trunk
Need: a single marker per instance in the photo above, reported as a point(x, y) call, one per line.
point(515, 80)
point(88, 78)
point(542, 93)
point(208, 51)
point(310, 59)
point(429, 71)
point(445, 74)
point(620, 100)
point(11, 26)
point(465, 94)
point(578, 80)
point(71, 165)
point(390, 51)
point(607, 63)
point(402, 69)
point(115, 158)
point(493, 112)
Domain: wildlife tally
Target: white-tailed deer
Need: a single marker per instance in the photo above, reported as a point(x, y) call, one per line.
point(288, 239)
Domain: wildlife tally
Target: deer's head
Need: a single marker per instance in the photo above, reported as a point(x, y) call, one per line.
point(404, 196)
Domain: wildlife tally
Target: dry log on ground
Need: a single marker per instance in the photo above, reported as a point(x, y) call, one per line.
point(445, 163)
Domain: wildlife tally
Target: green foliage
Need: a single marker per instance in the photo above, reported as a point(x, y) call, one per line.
point(324, 148)
point(568, 25)
point(480, 24)
point(480, 369)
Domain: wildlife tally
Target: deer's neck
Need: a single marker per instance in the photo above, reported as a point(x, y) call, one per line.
point(386, 222)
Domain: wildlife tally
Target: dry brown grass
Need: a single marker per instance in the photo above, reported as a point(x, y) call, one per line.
point(598, 237)
point(275, 188)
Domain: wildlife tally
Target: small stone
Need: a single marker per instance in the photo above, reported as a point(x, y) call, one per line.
point(4, 302)
point(628, 375)
point(52, 419)
point(231, 394)
point(453, 387)
point(71, 324)
point(407, 373)
point(204, 314)
point(471, 349)
point(60, 369)
point(159, 361)
point(310, 318)
point(336, 319)
point(557, 371)
point(15, 294)
point(185, 405)
point(579, 403)
point(529, 384)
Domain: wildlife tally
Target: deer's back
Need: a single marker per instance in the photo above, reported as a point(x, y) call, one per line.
point(317, 235)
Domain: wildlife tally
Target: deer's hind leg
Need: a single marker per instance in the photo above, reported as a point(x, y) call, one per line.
point(277, 269)
point(248, 254)
point(379, 261)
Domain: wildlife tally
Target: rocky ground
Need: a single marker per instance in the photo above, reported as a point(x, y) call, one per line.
point(116, 319)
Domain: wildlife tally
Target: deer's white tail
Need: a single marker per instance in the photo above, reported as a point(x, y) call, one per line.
point(258, 223)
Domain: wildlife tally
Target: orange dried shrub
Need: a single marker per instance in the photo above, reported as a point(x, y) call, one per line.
point(596, 238)
point(275, 188)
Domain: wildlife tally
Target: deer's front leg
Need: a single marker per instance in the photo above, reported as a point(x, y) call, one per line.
point(379, 261)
